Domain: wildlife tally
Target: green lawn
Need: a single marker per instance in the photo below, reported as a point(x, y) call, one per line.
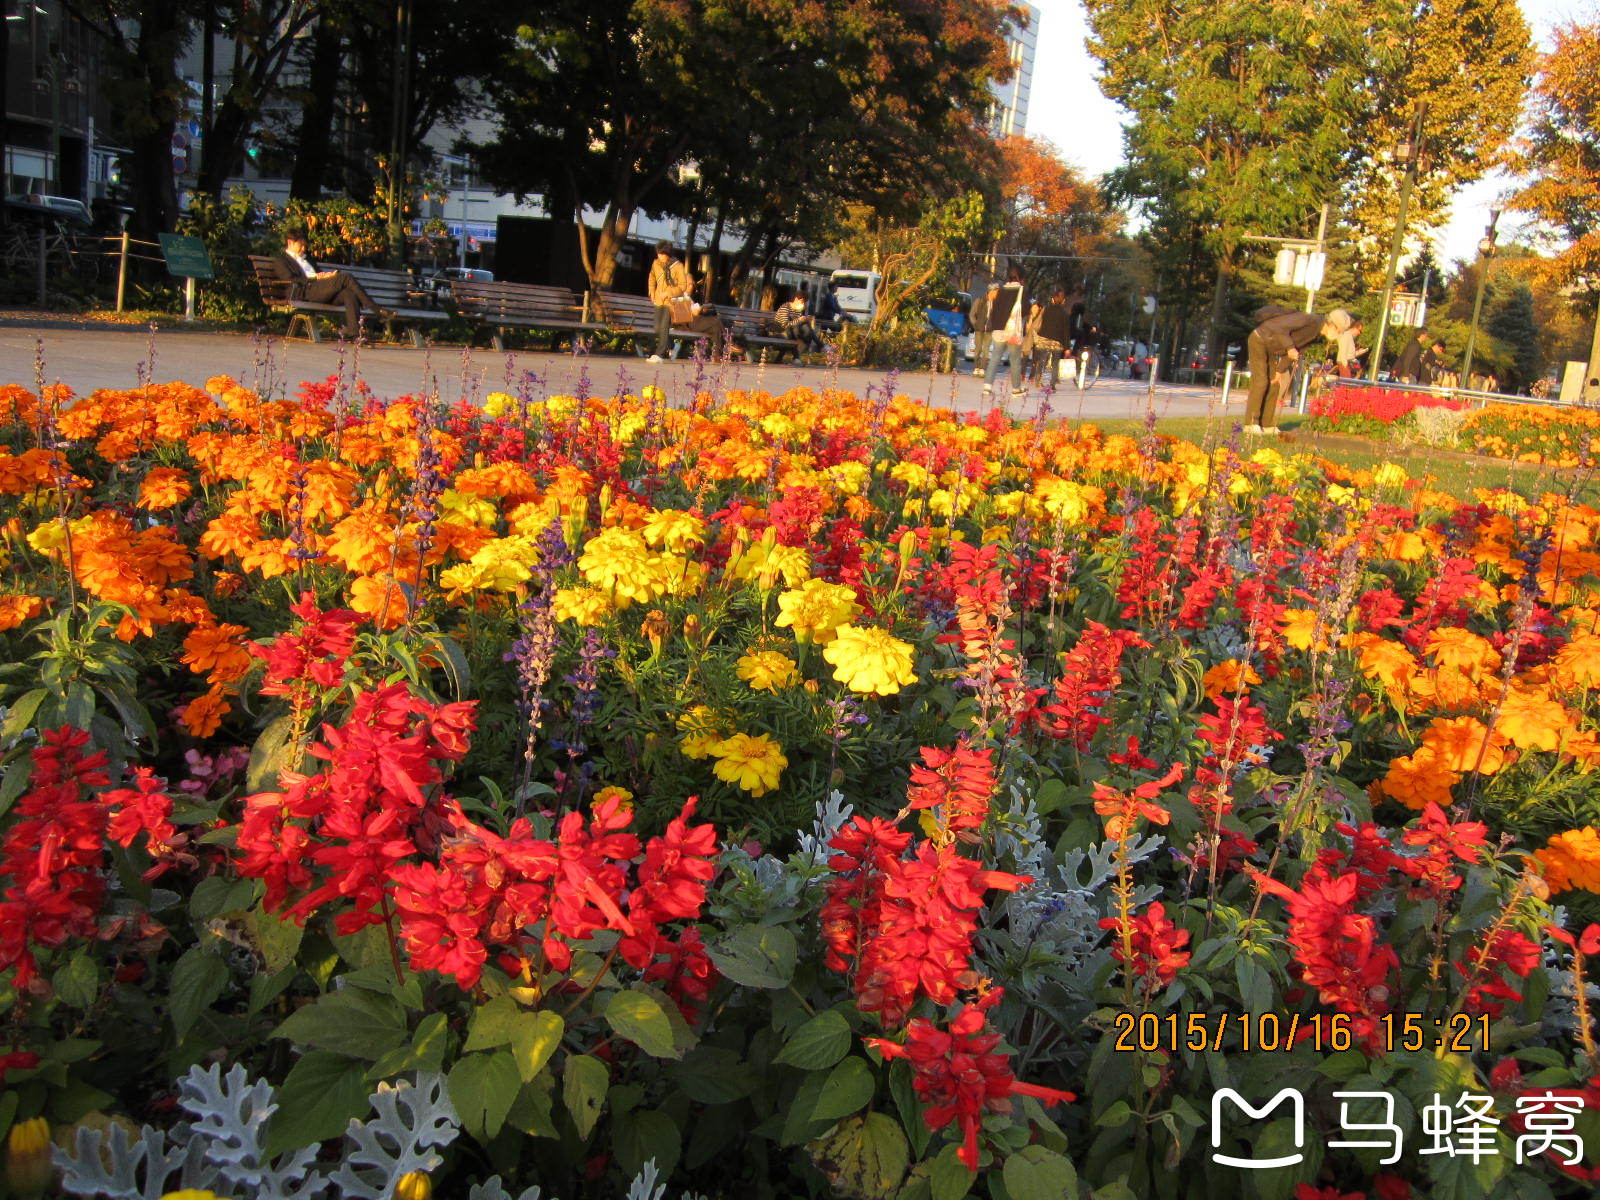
point(1454, 475)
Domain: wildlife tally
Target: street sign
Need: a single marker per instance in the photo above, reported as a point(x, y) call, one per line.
point(187, 257)
point(1409, 309)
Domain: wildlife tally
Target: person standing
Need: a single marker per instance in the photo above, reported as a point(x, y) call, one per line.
point(978, 314)
point(669, 282)
point(1275, 347)
point(1346, 355)
point(1030, 336)
point(1411, 364)
point(1052, 340)
point(321, 287)
point(1007, 316)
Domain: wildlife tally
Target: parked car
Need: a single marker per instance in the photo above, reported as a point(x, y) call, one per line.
point(63, 208)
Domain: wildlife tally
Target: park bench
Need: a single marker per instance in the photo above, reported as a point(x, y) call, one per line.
point(752, 329)
point(390, 291)
point(502, 306)
point(633, 317)
point(395, 294)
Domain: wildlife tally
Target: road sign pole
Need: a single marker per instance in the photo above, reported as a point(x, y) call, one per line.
point(188, 298)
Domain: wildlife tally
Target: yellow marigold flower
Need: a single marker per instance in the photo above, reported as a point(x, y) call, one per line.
point(498, 404)
point(203, 1194)
point(767, 670)
point(675, 530)
point(700, 732)
point(815, 609)
point(752, 763)
point(613, 792)
point(766, 564)
point(1228, 678)
point(1572, 860)
point(1532, 720)
point(585, 605)
point(1300, 629)
point(618, 560)
point(1067, 502)
point(28, 1168)
point(468, 509)
point(870, 661)
point(48, 537)
point(1389, 474)
point(1465, 744)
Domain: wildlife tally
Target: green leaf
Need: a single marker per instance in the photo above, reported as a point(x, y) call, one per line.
point(583, 1090)
point(492, 1024)
point(277, 938)
point(948, 1177)
point(77, 984)
point(531, 1114)
point(483, 1087)
point(424, 1052)
point(534, 1038)
point(1034, 1173)
point(760, 956)
point(197, 981)
point(217, 896)
point(863, 1156)
point(644, 1135)
point(16, 780)
point(849, 1087)
point(269, 755)
point(901, 1087)
point(714, 1075)
point(20, 714)
point(642, 1019)
point(322, 1093)
point(455, 666)
point(352, 1021)
point(818, 1044)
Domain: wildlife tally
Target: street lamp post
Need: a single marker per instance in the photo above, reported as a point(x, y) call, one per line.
point(1408, 152)
point(1485, 260)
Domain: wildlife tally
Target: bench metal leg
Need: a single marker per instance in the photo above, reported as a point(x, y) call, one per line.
point(416, 337)
point(498, 341)
point(309, 320)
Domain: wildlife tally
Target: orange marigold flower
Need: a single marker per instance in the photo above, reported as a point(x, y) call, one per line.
point(380, 597)
point(1465, 744)
point(1577, 664)
point(217, 651)
point(1228, 678)
point(203, 715)
point(1465, 651)
point(1572, 860)
point(164, 487)
point(1419, 779)
point(15, 609)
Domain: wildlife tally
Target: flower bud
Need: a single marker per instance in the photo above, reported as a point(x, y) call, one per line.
point(28, 1168)
point(413, 1186)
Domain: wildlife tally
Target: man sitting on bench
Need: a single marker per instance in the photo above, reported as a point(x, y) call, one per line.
point(321, 287)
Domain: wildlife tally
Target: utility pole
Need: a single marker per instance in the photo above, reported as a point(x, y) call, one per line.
point(1409, 152)
point(1591, 377)
point(1314, 274)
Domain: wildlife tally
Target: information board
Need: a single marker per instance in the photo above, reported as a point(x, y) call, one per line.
point(187, 257)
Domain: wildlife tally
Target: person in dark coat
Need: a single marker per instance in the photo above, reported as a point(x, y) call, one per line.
point(978, 314)
point(1052, 339)
point(321, 287)
point(1274, 347)
point(1413, 363)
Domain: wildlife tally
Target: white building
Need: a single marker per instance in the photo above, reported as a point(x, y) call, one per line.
point(1010, 113)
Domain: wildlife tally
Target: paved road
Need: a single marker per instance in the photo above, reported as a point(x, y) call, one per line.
point(88, 355)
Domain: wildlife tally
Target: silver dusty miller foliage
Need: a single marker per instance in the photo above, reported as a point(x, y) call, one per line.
point(223, 1148)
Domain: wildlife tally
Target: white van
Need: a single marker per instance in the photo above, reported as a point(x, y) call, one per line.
point(857, 292)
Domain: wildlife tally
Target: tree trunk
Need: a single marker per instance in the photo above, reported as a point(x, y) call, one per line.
point(714, 270)
point(162, 33)
point(1215, 347)
point(601, 266)
point(316, 119)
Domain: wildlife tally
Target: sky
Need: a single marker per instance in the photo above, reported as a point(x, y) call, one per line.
point(1067, 108)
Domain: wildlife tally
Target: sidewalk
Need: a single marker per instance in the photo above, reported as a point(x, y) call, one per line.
point(87, 355)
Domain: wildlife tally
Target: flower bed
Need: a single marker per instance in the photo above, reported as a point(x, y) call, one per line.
point(1531, 433)
point(779, 796)
point(1369, 411)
